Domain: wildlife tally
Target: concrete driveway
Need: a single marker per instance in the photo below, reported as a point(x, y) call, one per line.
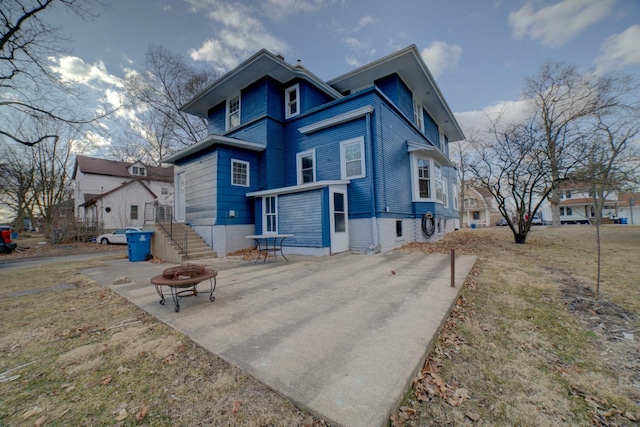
point(341, 336)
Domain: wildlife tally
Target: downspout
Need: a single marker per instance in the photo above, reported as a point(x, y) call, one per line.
point(375, 246)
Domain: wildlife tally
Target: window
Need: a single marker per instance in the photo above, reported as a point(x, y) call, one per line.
point(233, 112)
point(269, 206)
point(137, 170)
point(164, 191)
point(424, 179)
point(352, 158)
point(445, 193)
point(456, 190)
point(469, 202)
point(239, 173)
point(417, 115)
point(306, 167)
point(569, 211)
point(476, 215)
point(398, 228)
point(438, 182)
point(567, 194)
point(134, 212)
point(292, 101)
point(339, 213)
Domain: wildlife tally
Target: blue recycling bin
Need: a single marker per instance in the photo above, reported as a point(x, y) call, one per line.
point(139, 243)
point(623, 220)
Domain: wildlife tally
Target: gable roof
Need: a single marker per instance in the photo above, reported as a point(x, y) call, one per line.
point(106, 167)
point(91, 199)
point(261, 64)
point(409, 65)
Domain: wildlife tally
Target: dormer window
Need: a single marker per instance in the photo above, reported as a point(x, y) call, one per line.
point(233, 112)
point(138, 170)
point(292, 101)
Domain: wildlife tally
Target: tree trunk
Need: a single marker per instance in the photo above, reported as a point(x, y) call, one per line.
point(554, 202)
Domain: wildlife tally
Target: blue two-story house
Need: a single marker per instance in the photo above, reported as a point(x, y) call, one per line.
point(359, 163)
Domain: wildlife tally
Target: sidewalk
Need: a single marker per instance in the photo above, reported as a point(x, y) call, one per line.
point(341, 336)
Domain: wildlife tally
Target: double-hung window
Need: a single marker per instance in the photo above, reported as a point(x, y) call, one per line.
point(424, 179)
point(437, 179)
point(352, 158)
point(233, 112)
point(418, 118)
point(270, 218)
point(306, 163)
point(134, 212)
point(239, 173)
point(445, 193)
point(292, 101)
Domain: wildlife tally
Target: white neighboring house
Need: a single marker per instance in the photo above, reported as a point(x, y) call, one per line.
point(576, 205)
point(629, 207)
point(479, 208)
point(113, 194)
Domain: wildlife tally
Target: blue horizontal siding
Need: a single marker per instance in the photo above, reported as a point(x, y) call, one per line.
point(233, 197)
point(301, 214)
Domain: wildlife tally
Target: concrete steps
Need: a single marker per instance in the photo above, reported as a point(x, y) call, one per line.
point(163, 247)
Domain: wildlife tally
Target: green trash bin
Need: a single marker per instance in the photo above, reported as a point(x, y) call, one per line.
point(139, 244)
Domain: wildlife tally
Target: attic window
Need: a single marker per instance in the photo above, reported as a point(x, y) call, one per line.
point(138, 170)
point(417, 115)
point(292, 101)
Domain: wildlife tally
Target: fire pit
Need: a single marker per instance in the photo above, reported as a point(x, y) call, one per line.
point(183, 282)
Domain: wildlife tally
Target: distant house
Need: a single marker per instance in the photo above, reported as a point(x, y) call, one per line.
point(577, 207)
point(114, 194)
point(629, 207)
point(360, 162)
point(479, 207)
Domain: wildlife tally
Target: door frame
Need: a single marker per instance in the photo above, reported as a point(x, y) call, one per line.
point(180, 198)
point(339, 241)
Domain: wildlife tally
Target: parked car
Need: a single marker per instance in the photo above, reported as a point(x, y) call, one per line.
point(118, 237)
point(502, 222)
point(6, 245)
point(536, 220)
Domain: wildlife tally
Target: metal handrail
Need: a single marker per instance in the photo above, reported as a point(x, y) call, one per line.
point(163, 216)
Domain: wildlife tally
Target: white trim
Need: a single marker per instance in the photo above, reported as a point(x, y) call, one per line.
point(210, 141)
point(264, 214)
point(429, 151)
point(228, 126)
point(297, 188)
point(418, 114)
point(247, 165)
point(299, 156)
point(336, 120)
point(415, 181)
point(295, 88)
point(343, 162)
point(445, 192)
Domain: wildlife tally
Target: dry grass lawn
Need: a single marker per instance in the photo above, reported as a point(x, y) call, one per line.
point(526, 345)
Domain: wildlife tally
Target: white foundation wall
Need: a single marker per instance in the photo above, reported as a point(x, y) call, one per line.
point(360, 235)
point(224, 239)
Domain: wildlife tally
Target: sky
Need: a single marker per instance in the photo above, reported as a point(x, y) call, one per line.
point(479, 51)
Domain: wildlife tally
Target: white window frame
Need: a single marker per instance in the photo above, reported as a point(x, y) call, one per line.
point(229, 113)
point(247, 166)
point(299, 171)
point(418, 115)
point(456, 203)
point(415, 179)
point(266, 214)
point(343, 158)
point(445, 192)
point(287, 103)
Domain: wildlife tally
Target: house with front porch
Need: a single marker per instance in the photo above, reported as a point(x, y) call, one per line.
point(360, 162)
point(113, 194)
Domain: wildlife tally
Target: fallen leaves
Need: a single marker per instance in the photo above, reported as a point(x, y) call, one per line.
point(428, 385)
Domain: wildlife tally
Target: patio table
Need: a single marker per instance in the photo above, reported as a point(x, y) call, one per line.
point(269, 243)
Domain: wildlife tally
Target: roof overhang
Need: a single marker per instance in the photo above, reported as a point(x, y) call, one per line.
point(263, 63)
point(429, 151)
point(210, 141)
point(410, 66)
point(298, 188)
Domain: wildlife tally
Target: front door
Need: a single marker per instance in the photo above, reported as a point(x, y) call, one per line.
point(339, 220)
point(180, 197)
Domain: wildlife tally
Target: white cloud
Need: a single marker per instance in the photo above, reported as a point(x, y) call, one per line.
point(555, 25)
point(441, 56)
point(473, 122)
point(75, 70)
point(619, 50)
point(364, 21)
point(352, 61)
point(239, 34)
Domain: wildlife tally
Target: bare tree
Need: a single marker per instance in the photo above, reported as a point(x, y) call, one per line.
point(29, 89)
point(462, 156)
point(611, 159)
point(17, 177)
point(167, 82)
point(564, 101)
point(512, 165)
